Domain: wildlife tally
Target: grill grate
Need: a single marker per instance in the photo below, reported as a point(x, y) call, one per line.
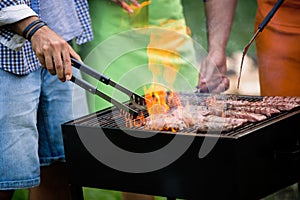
point(111, 117)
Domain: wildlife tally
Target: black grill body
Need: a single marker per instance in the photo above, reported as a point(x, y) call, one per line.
point(248, 163)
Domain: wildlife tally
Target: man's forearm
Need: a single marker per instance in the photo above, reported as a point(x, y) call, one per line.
point(15, 17)
point(219, 16)
point(19, 27)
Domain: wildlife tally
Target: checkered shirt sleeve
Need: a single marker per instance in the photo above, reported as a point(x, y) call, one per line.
point(24, 61)
point(84, 17)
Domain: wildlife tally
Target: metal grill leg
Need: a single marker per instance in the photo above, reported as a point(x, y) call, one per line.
point(298, 188)
point(76, 192)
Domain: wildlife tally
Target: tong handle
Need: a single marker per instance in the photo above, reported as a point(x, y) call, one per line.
point(137, 99)
point(92, 89)
point(90, 71)
point(270, 15)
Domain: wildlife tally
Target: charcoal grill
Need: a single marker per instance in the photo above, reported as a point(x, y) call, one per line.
point(247, 163)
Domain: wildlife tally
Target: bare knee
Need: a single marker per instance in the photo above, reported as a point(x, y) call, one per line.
point(54, 184)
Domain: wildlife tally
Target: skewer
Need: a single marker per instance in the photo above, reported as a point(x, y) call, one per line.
point(243, 57)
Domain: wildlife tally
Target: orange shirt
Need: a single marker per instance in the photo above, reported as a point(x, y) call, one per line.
point(278, 48)
point(287, 16)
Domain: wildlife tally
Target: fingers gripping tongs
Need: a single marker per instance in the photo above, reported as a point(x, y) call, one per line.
point(137, 101)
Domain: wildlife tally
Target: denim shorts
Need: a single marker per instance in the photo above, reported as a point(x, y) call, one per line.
point(32, 109)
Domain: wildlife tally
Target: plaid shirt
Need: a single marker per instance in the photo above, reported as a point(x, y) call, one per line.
point(16, 54)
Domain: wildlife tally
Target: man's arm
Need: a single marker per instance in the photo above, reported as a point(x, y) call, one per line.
point(51, 49)
point(53, 52)
point(219, 17)
point(11, 12)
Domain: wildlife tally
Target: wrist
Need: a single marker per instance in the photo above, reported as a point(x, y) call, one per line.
point(216, 52)
point(32, 28)
point(20, 26)
point(218, 57)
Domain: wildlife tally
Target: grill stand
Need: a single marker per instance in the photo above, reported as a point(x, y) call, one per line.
point(76, 192)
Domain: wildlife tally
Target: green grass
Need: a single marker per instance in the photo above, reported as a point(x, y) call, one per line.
point(91, 193)
point(20, 195)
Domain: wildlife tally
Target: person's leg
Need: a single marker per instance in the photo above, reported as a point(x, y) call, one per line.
point(54, 184)
point(6, 194)
point(19, 163)
point(55, 108)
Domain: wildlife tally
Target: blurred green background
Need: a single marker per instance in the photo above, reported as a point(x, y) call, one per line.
point(242, 32)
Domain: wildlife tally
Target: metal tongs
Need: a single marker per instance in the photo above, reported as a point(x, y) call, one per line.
point(260, 29)
point(137, 101)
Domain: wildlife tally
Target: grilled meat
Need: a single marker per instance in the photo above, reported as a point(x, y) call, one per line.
point(219, 127)
point(288, 99)
point(164, 122)
point(280, 105)
point(180, 119)
point(252, 117)
point(278, 102)
point(216, 123)
point(268, 111)
point(218, 115)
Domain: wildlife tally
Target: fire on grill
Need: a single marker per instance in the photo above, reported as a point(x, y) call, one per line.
point(168, 112)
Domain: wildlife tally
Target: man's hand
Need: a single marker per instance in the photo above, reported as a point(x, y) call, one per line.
point(125, 5)
point(219, 18)
point(53, 52)
point(212, 78)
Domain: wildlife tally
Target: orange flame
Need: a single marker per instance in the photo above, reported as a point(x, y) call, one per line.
point(139, 120)
point(158, 100)
point(164, 62)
